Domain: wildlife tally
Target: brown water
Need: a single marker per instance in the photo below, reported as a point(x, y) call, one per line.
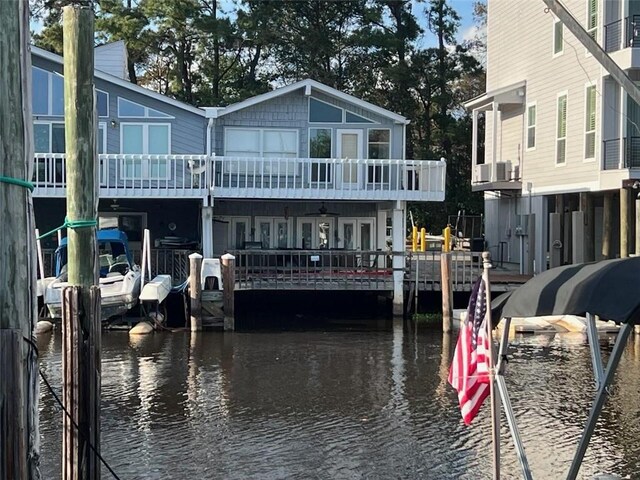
point(338, 405)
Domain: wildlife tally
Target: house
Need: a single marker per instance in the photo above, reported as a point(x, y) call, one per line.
point(301, 167)
point(559, 167)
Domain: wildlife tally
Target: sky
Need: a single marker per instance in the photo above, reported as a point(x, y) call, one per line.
point(465, 11)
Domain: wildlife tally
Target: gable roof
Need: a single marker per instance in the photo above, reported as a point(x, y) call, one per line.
point(308, 85)
point(39, 52)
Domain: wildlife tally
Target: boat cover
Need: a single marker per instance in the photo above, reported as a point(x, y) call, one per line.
point(117, 239)
point(609, 289)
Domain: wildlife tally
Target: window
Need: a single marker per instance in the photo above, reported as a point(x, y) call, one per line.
point(145, 138)
point(280, 143)
point(321, 112)
point(561, 130)
point(379, 148)
point(49, 137)
point(353, 118)
point(48, 94)
point(379, 143)
point(558, 37)
point(244, 142)
point(590, 122)
point(129, 109)
point(531, 126)
point(320, 147)
point(592, 18)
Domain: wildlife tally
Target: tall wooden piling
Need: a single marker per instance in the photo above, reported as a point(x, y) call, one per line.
point(637, 250)
point(607, 212)
point(228, 263)
point(624, 223)
point(447, 291)
point(195, 291)
point(19, 436)
point(81, 300)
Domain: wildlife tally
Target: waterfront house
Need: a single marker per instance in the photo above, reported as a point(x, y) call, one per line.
point(302, 167)
point(562, 147)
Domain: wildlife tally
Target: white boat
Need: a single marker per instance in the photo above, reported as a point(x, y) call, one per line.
point(119, 276)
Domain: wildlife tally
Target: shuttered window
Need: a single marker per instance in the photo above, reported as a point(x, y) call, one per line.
point(558, 37)
point(590, 122)
point(531, 127)
point(561, 130)
point(592, 18)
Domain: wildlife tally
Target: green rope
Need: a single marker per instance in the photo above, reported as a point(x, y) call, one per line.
point(73, 224)
point(17, 181)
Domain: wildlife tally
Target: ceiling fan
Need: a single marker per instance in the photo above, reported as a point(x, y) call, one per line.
point(322, 212)
point(116, 207)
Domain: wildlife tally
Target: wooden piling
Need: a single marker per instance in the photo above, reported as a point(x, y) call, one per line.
point(637, 250)
point(228, 263)
point(195, 291)
point(607, 211)
point(81, 301)
point(81, 391)
point(624, 223)
point(19, 436)
point(447, 291)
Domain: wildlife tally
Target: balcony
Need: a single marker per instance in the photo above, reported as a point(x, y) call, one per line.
point(611, 155)
point(192, 176)
point(133, 176)
point(505, 177)
point(613, 34)
point(331, 179)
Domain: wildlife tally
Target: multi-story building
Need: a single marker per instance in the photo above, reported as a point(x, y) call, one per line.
point(303, 167)
point(561, 156)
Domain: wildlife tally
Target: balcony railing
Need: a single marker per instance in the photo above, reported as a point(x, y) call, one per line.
point(130, 175)
point(613, 34)
point(303, 178)
point(631, 158)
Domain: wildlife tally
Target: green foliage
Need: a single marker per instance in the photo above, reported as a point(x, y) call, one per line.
point(213, 53)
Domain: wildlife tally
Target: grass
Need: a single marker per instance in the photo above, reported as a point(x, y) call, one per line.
point(427, 318)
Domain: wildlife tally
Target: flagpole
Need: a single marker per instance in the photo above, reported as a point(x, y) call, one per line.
point(495, 401)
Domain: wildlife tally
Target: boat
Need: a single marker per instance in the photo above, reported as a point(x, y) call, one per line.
point(119, 276)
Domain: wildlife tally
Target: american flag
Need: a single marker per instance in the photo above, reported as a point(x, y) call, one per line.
point(469, 373)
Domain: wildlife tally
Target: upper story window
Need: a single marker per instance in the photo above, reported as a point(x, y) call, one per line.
point(592, 18)
point(558, 37)
point(561, 130)
point(48, 95)
point(323, 112)
point(590, 123)
point(531, 126)
point(255, 142)
point(379, 143)
point(49, 137)
point(129, 109)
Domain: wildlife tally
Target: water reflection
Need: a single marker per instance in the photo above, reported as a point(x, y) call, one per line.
point(332, 405)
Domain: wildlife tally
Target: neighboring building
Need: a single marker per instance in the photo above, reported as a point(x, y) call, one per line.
point(562, 139)
point(302, 167)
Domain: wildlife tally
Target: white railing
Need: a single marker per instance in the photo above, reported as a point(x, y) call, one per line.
point(368, 179)
point(130, 175)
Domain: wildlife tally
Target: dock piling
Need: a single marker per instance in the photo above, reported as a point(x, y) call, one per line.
point(228, 263)
point(195, 291)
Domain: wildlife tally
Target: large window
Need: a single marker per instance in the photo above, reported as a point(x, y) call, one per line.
point(558, 37)
point(245, 142)
point(146, 139)
point(531, 126)
point(379, 148)
point(323, 112)
point(49, 137)
point(561, 130)
point(48, 95)
point(320, 146)
point(590, 123)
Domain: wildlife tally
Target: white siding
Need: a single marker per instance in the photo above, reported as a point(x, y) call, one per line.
point(112, 59)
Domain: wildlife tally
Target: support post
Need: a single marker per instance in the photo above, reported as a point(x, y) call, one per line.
point(637, 250)
point(398, 249)
point(81, 301)
point(447, 293)
point(207, 231)
point(228, 263)
point(624, 223)
point(195, 291)
point(606, 224)
point(19, 436)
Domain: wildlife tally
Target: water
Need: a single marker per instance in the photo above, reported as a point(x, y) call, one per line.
point(338, 405)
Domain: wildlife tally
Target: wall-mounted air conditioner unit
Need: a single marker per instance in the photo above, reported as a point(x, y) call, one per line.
point(503, 171)
point(483, 172)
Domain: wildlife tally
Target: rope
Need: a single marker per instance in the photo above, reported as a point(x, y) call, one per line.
point(46, 382)
point(17, 181)
point(73, 224)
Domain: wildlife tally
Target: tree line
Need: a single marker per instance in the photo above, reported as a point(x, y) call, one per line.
point(217, 52)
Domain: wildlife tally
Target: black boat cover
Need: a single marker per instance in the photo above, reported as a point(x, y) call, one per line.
point(609, 289)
